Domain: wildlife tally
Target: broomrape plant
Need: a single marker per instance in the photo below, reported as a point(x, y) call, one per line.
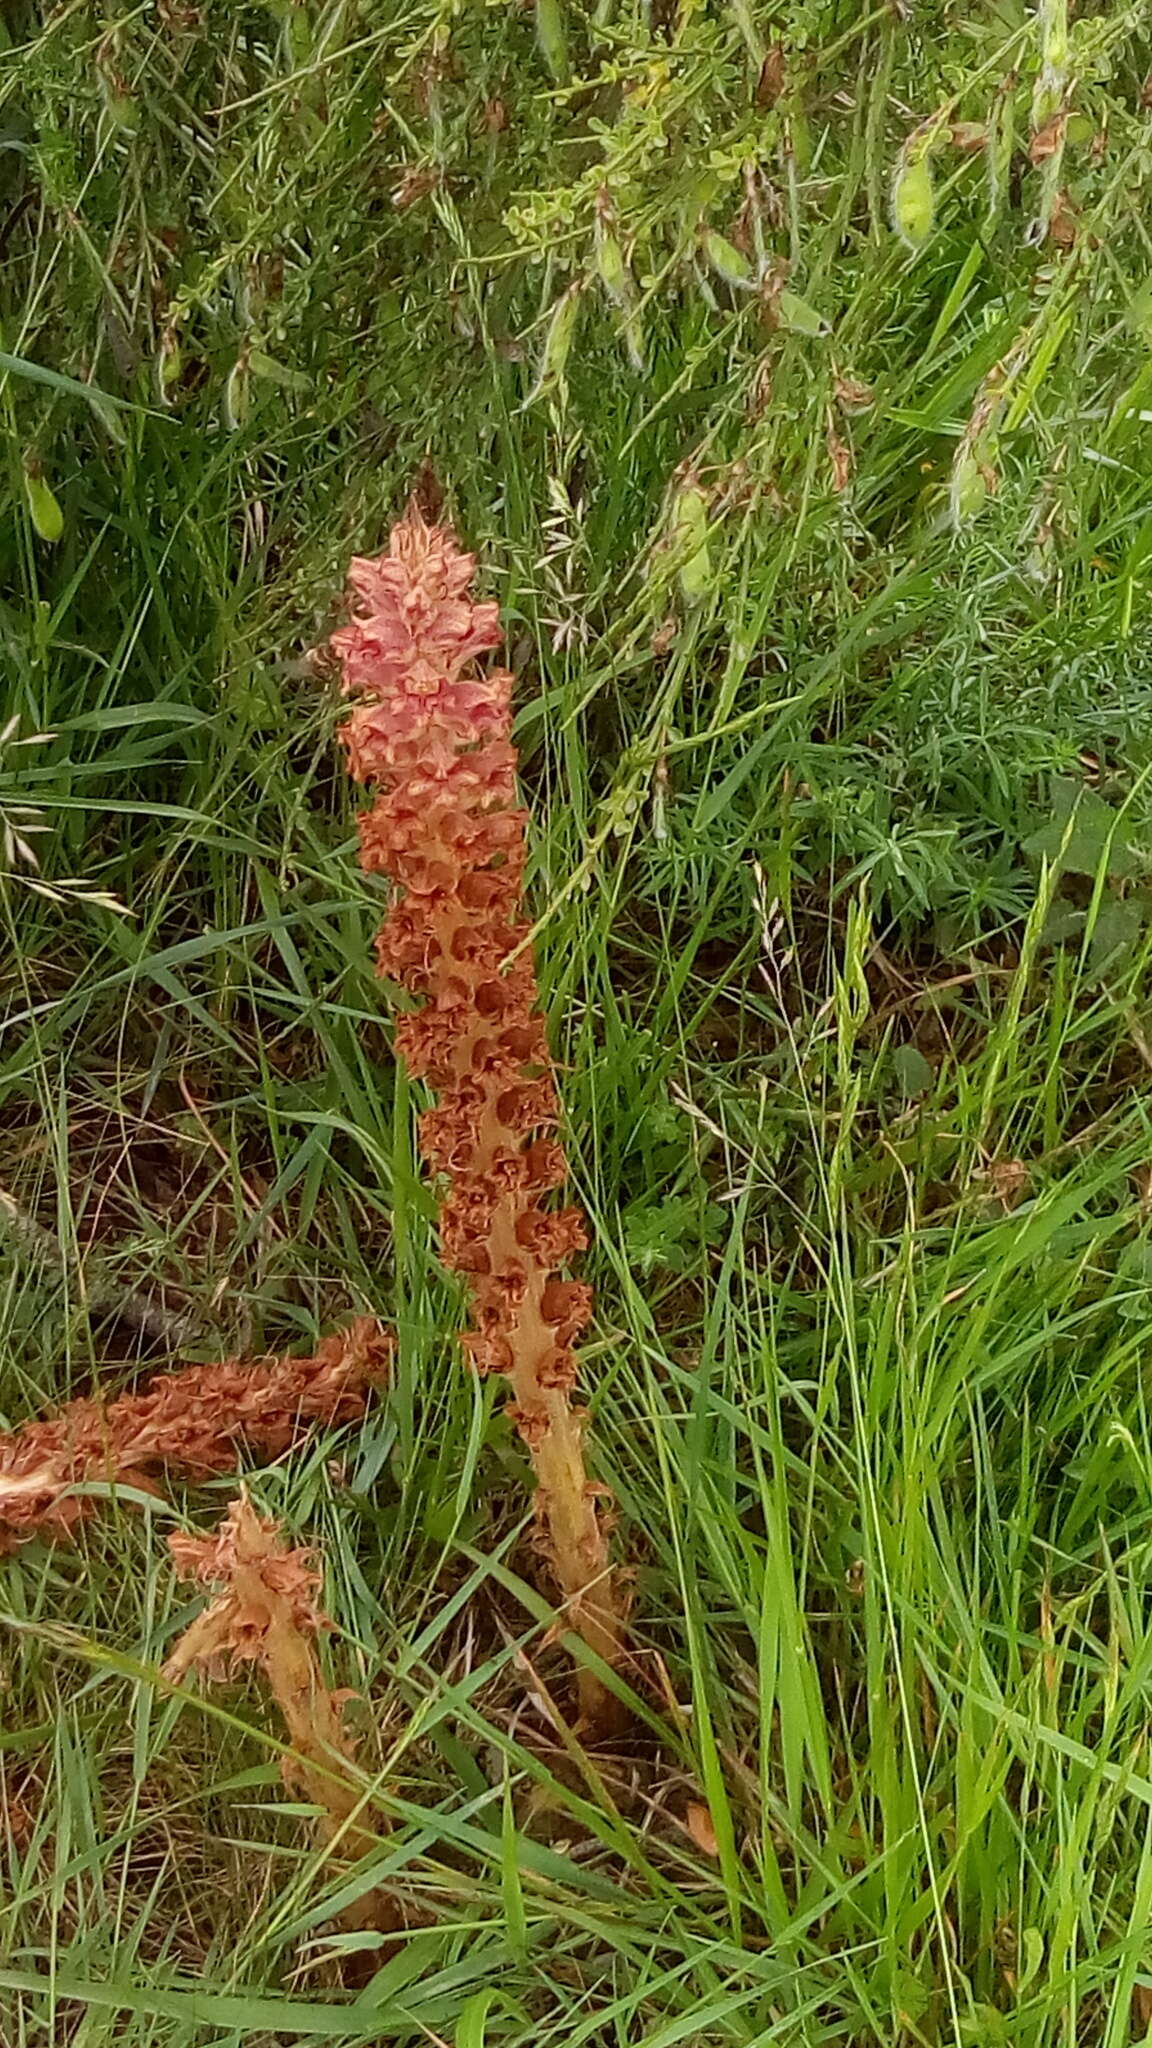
point(265, 1612)
point(431, 732)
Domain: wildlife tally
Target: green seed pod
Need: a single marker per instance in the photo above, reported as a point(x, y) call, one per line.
point(122, 109)
point(1048, 97)
point(262, 365)
point(726, 260)
point(913, 201)
point(798, 316)
point(688, 535)
point(998, 152)
point(558, 341)
point(237, 396)
point(967, 488)
point(632, 329)
point(552, 37)
point(611, 267)
point(43, 507)
point(169, 368)
point(561, 333)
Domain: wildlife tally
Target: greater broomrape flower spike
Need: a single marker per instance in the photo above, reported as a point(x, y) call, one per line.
point(431, 730)
point(266, 1612)
point(195, 1420)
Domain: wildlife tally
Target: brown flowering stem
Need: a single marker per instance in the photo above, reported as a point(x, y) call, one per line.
point(195, 1420)
point(432, 732)
point(266, 1613)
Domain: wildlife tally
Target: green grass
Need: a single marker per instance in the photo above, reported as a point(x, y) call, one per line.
point(842, 866)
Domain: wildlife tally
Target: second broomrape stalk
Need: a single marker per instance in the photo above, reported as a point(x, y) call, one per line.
point(432, 732)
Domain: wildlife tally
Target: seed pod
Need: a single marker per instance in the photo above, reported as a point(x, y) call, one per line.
point(122, 108)
point(266, 366)
point(561, 333)
point(770, 84)
point(726, 260)
point(298, 35)
point(840, 457)
point(967, 488)
point(633, 332)
point(237, 395)
point(853, 394)
point(611, 267)
point(169, 365)
point(558, 341)
point(1048, 142)
point(688, 536)
point(43, 507)
point(998, 150)
point(913, 200)
point(797, 316)
point(118, 100)
point(552, 37)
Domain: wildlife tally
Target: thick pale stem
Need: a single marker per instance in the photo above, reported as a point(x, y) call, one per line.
point(566, 1502)
point(579, 1552)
